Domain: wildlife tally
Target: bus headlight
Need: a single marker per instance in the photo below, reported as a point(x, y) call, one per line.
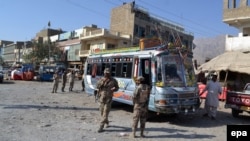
point(162, 102)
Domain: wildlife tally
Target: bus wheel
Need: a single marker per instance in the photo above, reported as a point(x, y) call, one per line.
point(235, 112)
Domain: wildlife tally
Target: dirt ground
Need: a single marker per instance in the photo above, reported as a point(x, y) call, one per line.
point(29, 112)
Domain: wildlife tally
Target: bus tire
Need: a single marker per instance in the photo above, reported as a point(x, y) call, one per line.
point(235, 113)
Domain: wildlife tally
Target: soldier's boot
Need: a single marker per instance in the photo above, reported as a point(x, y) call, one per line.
point(107, 124)
point(100, 129)
point(142, 134)
point(133, 133)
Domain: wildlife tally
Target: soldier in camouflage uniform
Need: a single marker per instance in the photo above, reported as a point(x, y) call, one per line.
point(106, 86)
point(55, 82)
point(140, 101)
point(64, 80)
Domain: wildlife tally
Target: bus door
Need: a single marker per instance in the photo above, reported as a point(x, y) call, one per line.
point(145, 65)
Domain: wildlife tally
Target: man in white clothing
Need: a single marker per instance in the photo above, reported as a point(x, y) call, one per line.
point(213, 89)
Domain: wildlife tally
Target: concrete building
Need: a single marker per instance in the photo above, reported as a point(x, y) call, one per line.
point(3, 43)
point(136, 21)
point(94, 39)
point(236, 13)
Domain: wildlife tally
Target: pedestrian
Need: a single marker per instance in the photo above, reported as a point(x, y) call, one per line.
point(71, 77)
point(64, 80)
point(55, 82)
point(213, 89)
point(106, 86)
point(83, 85)
point(140, 101)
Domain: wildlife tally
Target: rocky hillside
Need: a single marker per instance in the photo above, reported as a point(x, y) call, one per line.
point(208, 48)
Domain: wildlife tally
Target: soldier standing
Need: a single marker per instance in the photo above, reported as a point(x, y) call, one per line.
point(71, 77)
point(106, 86)
point(140, 101)
point(64, 80)
point(55, 82)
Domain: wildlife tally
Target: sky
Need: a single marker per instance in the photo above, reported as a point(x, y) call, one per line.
point(22, 19)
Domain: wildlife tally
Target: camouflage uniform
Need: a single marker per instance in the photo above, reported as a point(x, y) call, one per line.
point(71, 77)
point(64, 80)
point(140, 100)
point(55, 82)
point(105, 86)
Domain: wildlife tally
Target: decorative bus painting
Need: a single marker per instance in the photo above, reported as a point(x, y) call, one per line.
point(169, 72)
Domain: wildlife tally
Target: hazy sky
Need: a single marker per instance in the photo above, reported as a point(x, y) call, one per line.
point(22, 19)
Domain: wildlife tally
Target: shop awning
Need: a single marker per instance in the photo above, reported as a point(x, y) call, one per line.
point(232, 61)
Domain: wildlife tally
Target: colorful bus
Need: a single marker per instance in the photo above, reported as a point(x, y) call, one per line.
point(169, 71)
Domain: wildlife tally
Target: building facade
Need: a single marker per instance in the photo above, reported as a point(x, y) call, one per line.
point(94, 39)
point(236, 13)
point(134, 20)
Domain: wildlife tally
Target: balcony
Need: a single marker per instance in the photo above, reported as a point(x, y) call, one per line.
point(84, 53)
point(236, 16)
point(100, 33)
point(237, 43)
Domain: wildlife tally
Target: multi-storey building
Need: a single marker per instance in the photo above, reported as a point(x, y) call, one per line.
point(94, 39)
point(236, 13)
point(136, 21)
point(3, 43)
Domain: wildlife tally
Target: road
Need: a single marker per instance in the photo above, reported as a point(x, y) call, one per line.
point(29, 112)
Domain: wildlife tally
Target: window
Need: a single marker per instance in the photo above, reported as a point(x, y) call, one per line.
point(110, 46)
point(89, 69)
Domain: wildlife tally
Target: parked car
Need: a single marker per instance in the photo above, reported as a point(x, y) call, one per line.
point(1, 76)
point(239, 101)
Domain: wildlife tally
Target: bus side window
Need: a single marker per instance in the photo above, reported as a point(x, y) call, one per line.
point(113, 69)
point(99, 69)
point(89, 69)
point(94, 70)
point(127, 69)
point(119, 70)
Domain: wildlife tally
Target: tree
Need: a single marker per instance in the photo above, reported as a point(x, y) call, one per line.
point(40, 53)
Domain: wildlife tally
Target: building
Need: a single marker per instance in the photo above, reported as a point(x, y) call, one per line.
point(12, 53)
point(136, 21)
point(94, 39)
point(3, 43)
point(236, 13)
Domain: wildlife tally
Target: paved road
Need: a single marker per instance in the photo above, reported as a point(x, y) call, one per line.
point(29, 112)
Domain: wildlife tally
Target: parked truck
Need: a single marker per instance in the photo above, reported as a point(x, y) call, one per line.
point(239, 101)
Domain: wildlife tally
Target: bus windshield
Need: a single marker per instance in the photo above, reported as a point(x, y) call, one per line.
point(172, 71)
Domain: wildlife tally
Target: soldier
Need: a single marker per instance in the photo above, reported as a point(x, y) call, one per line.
point(140, 101)
point(106, 86)
point(64, 80)
point(71, 77)
point(55, 82)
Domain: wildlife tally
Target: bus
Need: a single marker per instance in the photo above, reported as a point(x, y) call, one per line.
point(169, 72)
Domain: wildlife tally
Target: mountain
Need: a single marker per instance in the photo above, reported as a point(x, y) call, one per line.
point(208, 48)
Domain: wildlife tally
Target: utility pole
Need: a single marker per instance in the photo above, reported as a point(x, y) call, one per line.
point(49, 40)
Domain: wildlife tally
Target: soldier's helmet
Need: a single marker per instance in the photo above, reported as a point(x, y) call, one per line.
point(106, 70)
point(140, 78)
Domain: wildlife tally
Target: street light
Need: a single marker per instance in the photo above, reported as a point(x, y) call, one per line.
point(49, 40)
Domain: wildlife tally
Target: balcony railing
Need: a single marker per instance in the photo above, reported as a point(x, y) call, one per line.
point(237, 43)
point(84, 53)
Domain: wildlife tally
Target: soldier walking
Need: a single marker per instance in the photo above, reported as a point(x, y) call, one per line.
point(55, 82)
point(106, 86)
point(140, 101)
point(64, 80)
